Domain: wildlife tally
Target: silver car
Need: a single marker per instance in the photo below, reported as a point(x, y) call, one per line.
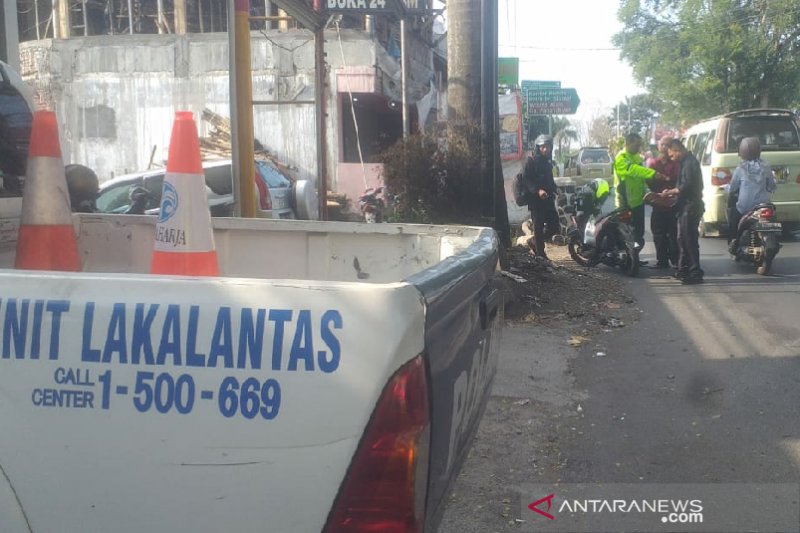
point(277, 195)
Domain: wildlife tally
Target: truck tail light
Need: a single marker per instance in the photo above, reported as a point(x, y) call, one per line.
point(720, 176)
point(797, 179)
point(264, 198)
point(385, 488)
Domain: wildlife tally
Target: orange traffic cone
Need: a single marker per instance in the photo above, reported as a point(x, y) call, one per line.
point(46, 239)
point(184, 242)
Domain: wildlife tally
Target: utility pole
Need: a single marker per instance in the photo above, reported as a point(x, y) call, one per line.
point(495, 201)
point(404, 75)
point(463, 62)
point(464, 91)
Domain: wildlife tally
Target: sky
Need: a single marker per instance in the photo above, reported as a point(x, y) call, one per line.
point(568, 41)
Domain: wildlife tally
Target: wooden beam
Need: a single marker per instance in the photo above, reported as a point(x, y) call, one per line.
point(63, 26)
point(304, 14)
point(180, 17)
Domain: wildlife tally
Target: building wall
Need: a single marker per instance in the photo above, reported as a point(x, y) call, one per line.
point(116, 96)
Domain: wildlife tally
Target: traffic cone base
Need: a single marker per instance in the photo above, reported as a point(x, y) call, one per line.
point(46, 238)
point(47, 248)
point(185, 263)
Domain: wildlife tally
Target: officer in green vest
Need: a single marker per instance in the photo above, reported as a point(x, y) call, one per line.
point(630, 182)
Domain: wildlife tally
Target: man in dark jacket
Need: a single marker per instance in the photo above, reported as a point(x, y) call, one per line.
point(538, 178)
point(690, 208)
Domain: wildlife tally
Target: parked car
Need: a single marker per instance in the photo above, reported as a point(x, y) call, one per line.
point(16, 117)
point(15, 124)
point(590, 162)
point(715, 143)
point(277, 195)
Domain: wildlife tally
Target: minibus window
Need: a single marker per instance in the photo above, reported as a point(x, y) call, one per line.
point(709, 148)
point(700, 145)
point(776, 133)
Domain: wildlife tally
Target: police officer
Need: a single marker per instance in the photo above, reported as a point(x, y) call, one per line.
point(630, 177)
point(538, 179)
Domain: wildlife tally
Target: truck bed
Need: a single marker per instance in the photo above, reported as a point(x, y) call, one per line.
point(132, 402)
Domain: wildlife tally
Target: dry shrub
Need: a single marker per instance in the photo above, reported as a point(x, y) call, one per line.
point(434, 179)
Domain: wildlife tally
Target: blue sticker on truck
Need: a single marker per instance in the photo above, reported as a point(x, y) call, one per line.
point(172, 339)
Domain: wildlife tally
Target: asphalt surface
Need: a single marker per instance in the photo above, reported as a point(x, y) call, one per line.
point(701, 386)
point(705, 387)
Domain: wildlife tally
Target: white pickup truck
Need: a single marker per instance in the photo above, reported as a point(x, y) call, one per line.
point(330, 380)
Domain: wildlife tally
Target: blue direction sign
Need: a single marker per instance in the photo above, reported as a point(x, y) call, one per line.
point(551, 101)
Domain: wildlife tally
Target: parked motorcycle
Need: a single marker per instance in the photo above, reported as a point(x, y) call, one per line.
point(757, 238)
point(594, 238)
point(371, 203)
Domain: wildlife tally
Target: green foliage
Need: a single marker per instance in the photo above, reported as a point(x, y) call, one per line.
point(435, 179)
point(706, 57)
point(637, 114)
point(564, 134)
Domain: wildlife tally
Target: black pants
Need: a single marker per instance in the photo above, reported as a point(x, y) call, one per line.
point(688, 242)
point(638, 224)
point(664, 227)
point(733, 223)
point(545, 223)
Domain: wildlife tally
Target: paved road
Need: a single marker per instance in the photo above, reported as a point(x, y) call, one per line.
point(706, 387)
point(701, 386)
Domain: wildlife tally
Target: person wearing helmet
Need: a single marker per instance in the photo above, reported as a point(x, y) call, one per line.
point(630, 178)
point(593, 195)
point(538, 180)
point(663, 224)
point(83, 187)
point(752, 184)
point(601, 189)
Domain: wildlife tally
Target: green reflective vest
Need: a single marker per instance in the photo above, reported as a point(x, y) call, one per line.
point(629, 179)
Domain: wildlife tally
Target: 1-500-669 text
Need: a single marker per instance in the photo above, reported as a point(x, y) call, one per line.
point(250, 398)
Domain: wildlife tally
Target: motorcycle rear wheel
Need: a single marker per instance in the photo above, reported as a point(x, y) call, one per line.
point(575, 253)
point(763, 267)
point(771, 248)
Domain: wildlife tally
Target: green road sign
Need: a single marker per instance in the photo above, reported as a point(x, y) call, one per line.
point(550, 101)
point(539, 84)
point(508, 71)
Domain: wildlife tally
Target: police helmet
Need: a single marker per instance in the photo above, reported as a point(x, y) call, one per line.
point(600, 188)
point(750, 148)
point(543, 139)
point(83, 186)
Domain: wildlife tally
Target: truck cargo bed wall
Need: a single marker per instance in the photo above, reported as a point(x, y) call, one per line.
point(280, 249)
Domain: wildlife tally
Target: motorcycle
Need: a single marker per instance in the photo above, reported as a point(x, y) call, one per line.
point(372, 205)
point(608, 239)
point(757, 238)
